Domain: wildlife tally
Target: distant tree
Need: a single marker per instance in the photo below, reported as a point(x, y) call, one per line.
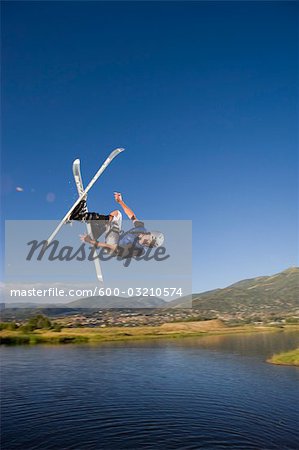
point(56, 327)
point(39, 322)
point(26, 328)
point(292, 320)
point(8, 326)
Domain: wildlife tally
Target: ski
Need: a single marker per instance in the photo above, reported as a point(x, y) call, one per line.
point(88, 187)
point(80, 189)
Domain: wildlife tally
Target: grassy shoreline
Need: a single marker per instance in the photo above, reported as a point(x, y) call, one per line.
point(99, 335)
point(290, 358)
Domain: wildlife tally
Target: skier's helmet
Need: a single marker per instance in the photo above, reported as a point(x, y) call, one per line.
point(157, 238)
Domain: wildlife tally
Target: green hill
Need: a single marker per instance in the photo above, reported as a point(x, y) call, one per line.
point(278, 293)
point(264, 296)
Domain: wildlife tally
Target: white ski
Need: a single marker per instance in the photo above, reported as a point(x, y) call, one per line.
point(80, 189)
point(88, 187)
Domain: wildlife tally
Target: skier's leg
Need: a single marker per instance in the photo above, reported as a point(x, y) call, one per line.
point(98, 225)
point(114, 228)
point(79, 212)
point(109, 223)
point(97, 221)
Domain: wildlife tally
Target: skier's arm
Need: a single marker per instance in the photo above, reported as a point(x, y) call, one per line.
point(127, 210)
point(104, 245)
point(86, 238)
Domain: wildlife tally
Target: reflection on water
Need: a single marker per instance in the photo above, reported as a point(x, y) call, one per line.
point(262, 345)
point(195, 393)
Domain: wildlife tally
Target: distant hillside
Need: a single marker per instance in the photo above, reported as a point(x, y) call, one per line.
point(265, 295)
point(117, 302)
point(278, 293)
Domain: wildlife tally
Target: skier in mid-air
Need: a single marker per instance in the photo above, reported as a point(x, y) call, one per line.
point(117, 243)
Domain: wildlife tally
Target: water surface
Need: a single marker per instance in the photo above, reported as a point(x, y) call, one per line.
point(212, 392)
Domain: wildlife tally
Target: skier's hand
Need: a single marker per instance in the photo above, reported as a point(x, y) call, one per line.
point(85, 238)
point(118, 197)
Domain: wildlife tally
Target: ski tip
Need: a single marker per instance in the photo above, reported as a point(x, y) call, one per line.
point(120, 149)
point(77, 161)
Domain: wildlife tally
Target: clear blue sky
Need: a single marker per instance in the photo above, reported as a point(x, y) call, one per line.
point(203, 96)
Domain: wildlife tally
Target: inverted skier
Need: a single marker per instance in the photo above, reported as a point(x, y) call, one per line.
point(117, 243)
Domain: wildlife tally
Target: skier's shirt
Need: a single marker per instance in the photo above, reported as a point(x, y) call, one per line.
point(128, 241)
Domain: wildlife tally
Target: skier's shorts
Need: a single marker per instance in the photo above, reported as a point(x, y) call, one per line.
point(113, 229)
